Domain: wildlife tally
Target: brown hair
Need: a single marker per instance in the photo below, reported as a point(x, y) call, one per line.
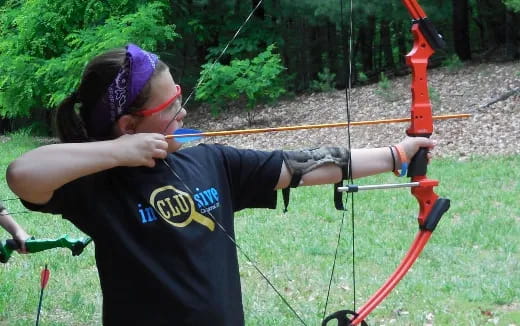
point(97, 77)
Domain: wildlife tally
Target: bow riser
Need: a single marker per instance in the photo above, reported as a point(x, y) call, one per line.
point(421, 110)
point(425, 196)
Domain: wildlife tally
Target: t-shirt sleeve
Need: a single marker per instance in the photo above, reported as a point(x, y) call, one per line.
point(72, 201)
point(253, 176)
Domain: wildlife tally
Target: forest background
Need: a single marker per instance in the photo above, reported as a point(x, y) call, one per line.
point(288, 47)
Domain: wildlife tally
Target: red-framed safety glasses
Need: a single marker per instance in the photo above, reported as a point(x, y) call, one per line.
point(159, 108)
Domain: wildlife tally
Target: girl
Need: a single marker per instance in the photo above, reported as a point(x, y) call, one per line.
point(161, 216)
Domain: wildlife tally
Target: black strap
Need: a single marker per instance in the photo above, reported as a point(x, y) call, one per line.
point(295, 182)
point(338, 196)
point(285, 194)
point(295, 179)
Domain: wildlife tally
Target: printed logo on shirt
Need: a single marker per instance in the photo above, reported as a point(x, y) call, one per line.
point(147, 214)
point(206, 200)
point(177, 207)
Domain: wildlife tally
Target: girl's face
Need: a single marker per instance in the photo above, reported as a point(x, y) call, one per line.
point(169, 119)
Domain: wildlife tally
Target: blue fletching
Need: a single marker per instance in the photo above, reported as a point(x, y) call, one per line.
point(178, 135)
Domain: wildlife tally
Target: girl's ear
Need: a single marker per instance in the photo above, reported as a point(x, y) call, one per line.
point(126, 124)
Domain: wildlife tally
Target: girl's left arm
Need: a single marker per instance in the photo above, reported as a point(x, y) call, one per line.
point(365, 162)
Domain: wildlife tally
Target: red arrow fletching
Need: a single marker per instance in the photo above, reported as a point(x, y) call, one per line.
point(45, 275)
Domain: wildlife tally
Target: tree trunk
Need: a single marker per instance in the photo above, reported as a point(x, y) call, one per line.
point(461, 29)
point(367, 34)
point(237, 6)
point(332, 48)
point(512, 51)
point(4, 125)
point(304, 55)
point(386, 45)
point(477, 20)
point(260, 12)
point(402, 30)
point(318, 46)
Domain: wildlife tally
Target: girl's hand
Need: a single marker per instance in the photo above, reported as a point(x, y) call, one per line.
point(140, 149)
point(20, 237)
point(411, 145)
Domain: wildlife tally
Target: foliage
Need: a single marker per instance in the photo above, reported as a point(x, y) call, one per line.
point(252, 40)
point(362, 77)
point(44, 45)
point(435, 97)
point(325, 82)
point(256, 80)
point(385, 89)
point(452, 63)
point(384, 83)
point(513, 5)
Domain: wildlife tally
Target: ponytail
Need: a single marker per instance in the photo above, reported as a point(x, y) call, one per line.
point(69, 124)
point(75, 109)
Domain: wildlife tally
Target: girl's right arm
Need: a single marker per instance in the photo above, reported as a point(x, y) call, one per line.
point(37, 174)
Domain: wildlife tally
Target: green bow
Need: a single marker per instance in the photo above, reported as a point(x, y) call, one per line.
point(36, 245)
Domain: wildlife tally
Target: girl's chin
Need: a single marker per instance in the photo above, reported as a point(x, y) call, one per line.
point(173, 147)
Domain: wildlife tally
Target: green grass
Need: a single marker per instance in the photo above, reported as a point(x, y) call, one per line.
point(468, 274)
point(72, 296)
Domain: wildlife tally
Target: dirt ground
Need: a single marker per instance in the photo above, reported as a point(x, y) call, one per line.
point(492, 129)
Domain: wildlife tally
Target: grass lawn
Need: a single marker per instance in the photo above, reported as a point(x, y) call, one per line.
point(468, 274)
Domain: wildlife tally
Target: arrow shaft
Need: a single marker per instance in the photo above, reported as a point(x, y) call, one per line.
point(45, 274)
point(315, 126)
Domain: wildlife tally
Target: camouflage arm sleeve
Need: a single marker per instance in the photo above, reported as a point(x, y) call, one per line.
point(301, 162)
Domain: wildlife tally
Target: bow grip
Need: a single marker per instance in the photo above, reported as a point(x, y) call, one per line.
point(419, 163)
point(7, 248)
point(12, 244)
point(440, 207)
point(432, 35)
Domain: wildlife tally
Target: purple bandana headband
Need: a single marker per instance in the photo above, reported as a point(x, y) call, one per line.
point(136, 71)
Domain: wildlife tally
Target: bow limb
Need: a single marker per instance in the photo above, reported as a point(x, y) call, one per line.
point(76, 246)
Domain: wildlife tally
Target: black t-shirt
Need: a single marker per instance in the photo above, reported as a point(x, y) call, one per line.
point(161, 258)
